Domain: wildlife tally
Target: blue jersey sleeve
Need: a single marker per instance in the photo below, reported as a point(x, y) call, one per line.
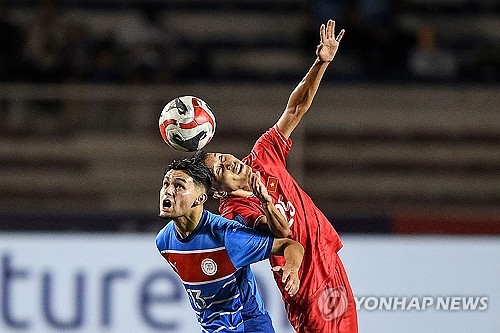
point(160, 240)
point(246, 246)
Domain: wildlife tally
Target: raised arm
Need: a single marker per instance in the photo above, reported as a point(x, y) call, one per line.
point(293, 252)
point(302, 96)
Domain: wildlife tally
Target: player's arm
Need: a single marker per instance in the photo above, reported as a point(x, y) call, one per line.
point(273, 221)
point(293, 252)
point(302, 96)
point(246, 246)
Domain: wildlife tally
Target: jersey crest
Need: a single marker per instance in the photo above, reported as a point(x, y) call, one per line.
point(272, 184)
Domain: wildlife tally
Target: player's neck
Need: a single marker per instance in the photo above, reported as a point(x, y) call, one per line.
point(241, 193)
point(185, 225)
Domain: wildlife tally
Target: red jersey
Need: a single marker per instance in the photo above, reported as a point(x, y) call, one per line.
point(308, 225)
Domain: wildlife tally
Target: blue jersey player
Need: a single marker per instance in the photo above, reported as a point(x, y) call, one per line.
point(212, 255)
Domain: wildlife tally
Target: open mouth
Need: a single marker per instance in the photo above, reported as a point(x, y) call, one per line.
point(240, 168)
point(166, 203)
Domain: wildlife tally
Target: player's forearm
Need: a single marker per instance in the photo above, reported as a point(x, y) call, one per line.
point(276, 222)
point(302, 96)
point(293, 253)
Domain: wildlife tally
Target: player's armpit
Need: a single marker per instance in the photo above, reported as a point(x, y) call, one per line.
point(261, 225)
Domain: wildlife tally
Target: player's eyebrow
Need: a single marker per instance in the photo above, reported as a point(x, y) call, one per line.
point(181, 179)
point(184, 180)
point(215, 167)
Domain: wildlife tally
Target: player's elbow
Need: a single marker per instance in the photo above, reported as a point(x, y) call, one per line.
point(302, 109)
point(297, 111)
point(281, 232)
point(292, 250)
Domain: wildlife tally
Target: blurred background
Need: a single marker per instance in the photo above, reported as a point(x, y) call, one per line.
point(402, 140)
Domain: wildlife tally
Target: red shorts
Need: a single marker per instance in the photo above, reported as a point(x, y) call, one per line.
point(331, 310)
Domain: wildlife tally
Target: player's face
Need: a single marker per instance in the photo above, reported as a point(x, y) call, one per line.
point(178, 194)
point(229, 173)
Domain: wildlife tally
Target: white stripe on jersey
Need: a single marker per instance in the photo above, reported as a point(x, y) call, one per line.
point(205, 282)
point(207, 322)
point(223, 300)
point(195, 251)
point(223, 327)
point(228, 282)
point(224, 286)
point(280, 135)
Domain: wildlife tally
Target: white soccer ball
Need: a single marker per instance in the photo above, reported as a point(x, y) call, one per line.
point(187, 123)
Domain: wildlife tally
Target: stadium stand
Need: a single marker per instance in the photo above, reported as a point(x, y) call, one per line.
point(381, 150)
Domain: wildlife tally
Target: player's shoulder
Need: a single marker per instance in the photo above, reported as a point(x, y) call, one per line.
point(219, 222)
point(163, 236)
point(274, 133)
point(228, 206)
point(222, 226)
point(166, 229)
point(270, 148)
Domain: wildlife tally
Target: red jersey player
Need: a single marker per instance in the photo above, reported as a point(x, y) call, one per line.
point(260, 192)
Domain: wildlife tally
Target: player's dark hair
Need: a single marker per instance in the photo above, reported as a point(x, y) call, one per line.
point(195, 167)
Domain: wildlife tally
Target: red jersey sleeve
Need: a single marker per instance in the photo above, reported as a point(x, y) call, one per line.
point(247, 211)
point(272, 147)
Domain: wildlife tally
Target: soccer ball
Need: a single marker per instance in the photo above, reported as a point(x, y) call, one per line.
point(187, 123)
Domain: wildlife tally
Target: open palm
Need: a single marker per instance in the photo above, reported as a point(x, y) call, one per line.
point(328, 42)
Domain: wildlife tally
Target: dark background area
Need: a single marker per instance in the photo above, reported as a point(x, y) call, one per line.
point(414, 148)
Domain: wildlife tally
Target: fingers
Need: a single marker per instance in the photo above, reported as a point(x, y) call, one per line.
point(251, 179)
point(341, 34)
point(255, 182)
point(291, 281)
point(259, 189)
point(256, 179)
point(289, 278)
point(330, 29)
point(294, 287)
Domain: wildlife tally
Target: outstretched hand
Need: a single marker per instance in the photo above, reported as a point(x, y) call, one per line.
point(328, 42)
point(290, 277)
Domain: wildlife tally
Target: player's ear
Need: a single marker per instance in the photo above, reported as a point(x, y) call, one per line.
point(200, 200)
point(219, 194)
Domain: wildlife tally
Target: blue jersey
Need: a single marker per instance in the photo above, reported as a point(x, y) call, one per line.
point(213, 263)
